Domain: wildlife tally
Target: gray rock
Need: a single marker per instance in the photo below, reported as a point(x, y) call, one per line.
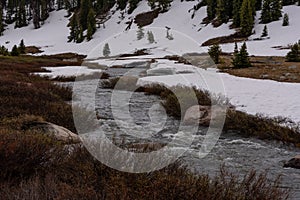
point(160, 71)
point(204, 115)
point(293, 163)
point(52, 130)
point(293, 67)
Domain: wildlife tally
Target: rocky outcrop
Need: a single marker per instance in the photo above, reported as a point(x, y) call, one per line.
point(52, 130)
point(293, 163)
point(204, 115)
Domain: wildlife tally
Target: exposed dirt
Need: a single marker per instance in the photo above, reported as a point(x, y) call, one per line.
point(236, 37)
point(144, 19)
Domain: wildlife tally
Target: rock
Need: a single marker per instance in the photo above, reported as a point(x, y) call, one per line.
point(203, 115)
point(52, 130)
point(126, 83)
point(293, 67)
point(160, 71)
point(264, 76)
point(293, 163)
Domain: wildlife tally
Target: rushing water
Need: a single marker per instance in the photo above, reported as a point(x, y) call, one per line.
point(238, 154)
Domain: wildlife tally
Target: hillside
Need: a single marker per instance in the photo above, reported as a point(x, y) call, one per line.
point(52, 36)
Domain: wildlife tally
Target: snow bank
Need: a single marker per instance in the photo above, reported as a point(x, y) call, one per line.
point(249, 95)
point(67, 71)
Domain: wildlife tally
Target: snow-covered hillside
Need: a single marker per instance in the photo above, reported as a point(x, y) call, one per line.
point(52, 36)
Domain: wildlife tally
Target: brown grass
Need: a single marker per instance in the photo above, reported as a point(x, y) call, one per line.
point(245, 124)
point(264, 67)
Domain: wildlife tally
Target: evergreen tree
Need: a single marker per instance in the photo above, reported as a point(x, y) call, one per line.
point(73, 29)
point(236, 12)
point(4, 51)
point(241, 58)
point(1, 20)
point(22, 47)
point(106, 50)
point(91, 24)
point(276, 10)
point(258, 5)
point(169, 36)
point(285, 20)
point(150, 37)
point(294, 54)
point(265, 32)
point(247, 21)
point(214, 52)
point(122, 4)
point(140, 33)
point(21, 15)
point(211, 9)
point(83, 14)
point(266, 16)
point(236, 58)
point(15, 51)
point(221, 12)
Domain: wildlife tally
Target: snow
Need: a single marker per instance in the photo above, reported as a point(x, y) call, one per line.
point(52, 36)
point(279, 35)
point(249, 95)
point(67, 71)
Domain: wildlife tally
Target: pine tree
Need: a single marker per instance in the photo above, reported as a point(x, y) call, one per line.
point(276, 10)
point(140, 33)
point(236, 13)
point(236, 58)
point(285, 20)
point(150, 37)
point(22, 47)
point(247, 21)
point(1, 20)
point(21, 15)
point(122, 4)
point(221, 12)
point(266, 16)
point(4, 51)
point(83, 14)
point(106, 50)
point(241, 58)
point(169, 36)
point(15, 51)
point(258, 5)
point(265, 32)
point(294, 54)
point(91, 24)
point(211, 9)
point(215, 52)
point(73, 29)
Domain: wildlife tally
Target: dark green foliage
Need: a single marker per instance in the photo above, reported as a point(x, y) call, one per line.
point(214, 52)
point(150, 37)
point(106, 50)
point(122, 4)
point(21, 15)
point(285, 20)
point(140, 33)
point(241, 58)
point(91, 24)
point(211, 9)
point(1, 20)
point(247, 19)
point(133, 5)
point(22, 47)
point(271, 11)
point(4, 51)
point(294, 54)
point(15, 51)
point(288, 2)
point(265, 32)
point(236, 12)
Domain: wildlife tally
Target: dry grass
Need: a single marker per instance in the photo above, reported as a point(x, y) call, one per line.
point(273, 68)
point(245, 124)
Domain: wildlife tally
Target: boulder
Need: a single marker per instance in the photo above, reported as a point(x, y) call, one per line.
point(52, 130)
point(293, 163)
point(204, 115)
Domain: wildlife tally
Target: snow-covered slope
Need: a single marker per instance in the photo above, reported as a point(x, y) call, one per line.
point(52, 37)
